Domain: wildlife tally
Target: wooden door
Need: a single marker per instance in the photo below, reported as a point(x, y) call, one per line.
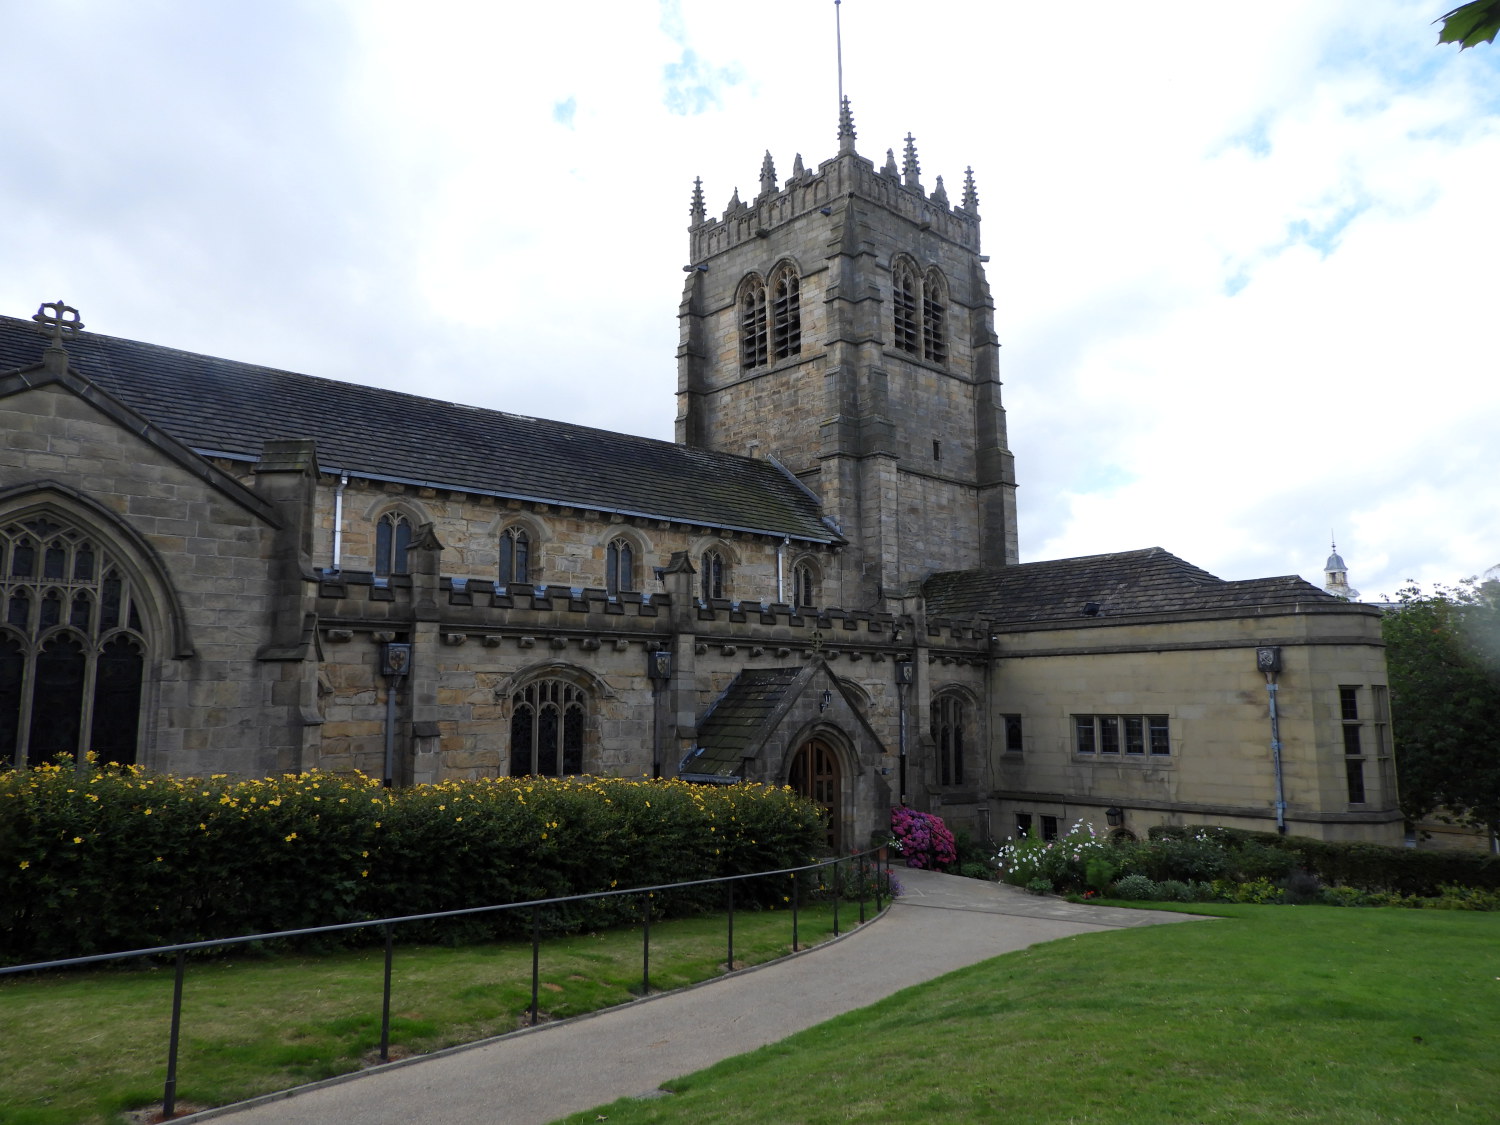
point(815, 775)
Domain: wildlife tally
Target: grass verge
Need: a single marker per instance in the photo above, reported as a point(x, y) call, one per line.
point(1301, 1014)
point(83, 1048)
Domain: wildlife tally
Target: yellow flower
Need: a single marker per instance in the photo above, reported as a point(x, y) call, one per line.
point(25, 863)
point(77, 839)
point(292, 837)
point(148, 812)
point(365, 874)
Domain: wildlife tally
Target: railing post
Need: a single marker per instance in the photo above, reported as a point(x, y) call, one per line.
point(385, 1001)
point(796, 896)
point(169, 1092)
point(836, 898)
point(864, 864)
point(729, 957)
point(646, 950)
point(536, 958)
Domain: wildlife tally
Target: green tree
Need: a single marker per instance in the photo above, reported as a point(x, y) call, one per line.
point(1471, 24)
point(1443, 656)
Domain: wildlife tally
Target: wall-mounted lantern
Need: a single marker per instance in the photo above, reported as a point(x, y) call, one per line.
point(1114, 816)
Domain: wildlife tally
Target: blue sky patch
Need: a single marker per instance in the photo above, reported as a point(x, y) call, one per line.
point(562, 112)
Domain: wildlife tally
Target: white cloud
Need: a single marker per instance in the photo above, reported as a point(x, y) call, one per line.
point(1240, 257)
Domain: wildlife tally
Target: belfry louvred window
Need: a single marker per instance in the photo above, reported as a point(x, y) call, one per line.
point(753, 336)
point(919, 312)
point(786, 314)
point(72, 647)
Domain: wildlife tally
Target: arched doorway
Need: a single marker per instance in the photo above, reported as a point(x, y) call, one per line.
point(815, 774)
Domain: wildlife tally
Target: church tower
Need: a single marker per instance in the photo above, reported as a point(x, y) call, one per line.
point(840, 322)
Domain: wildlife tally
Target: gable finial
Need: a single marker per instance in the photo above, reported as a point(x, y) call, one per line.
point(768, 175)
point(697, 210)
point(846, 127)
point(63, 320)
point(971, 196)
point(911, 171)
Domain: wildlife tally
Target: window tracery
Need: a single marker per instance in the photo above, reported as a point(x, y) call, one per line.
point(948, 734)
point(515, 556)
point(804, 586)
point(392, 541)
point(786, 313)
point(72, 648)
point(712, 574)
point(546, 729)
point(619, 566)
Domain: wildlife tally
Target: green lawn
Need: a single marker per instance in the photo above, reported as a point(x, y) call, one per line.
point(79, 1048)
point(1278, 1014)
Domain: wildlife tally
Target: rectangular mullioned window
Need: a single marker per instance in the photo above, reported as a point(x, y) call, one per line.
point(1138, 736)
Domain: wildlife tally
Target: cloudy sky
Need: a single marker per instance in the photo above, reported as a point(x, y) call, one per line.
point(1244, 256)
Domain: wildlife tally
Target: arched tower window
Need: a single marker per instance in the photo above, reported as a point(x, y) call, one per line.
point(804, 586)
point(712, 574)
point(546, 729)
point(786, 313)
point(948, 734)
point(906, 296)
point(72, 649)
point(515, 556)
point(753, 336)
point(619, 566)
point(934, 317)
point(392, 538)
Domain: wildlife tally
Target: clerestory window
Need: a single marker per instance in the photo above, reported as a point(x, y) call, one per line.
point(392, 540)
point(515, 556)
point(712, 575)
point(619, 566)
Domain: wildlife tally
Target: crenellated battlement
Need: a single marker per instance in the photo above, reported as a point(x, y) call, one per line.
point(489, 614)
point(846, 175)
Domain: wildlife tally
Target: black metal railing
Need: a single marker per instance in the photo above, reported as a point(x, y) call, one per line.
point(867, 868)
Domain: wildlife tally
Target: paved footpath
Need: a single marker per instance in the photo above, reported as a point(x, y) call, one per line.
point(940, 923)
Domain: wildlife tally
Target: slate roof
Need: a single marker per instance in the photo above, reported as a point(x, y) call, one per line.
point(222, 407)
point(738, 720)
point(1125, 584)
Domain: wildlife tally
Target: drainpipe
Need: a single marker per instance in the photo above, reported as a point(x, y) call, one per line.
point(338, 521)
point(781, 570)
point(1276, 754)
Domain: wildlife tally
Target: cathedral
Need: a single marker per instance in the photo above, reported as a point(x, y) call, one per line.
point(207, 566)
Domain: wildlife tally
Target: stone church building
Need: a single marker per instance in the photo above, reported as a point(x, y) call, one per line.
point(210, 566)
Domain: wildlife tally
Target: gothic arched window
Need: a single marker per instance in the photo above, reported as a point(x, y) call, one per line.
point(72, 647)
point(713, 575)
point(753, 339)
point(392, 538)
point(804, 586)
point(515, 556)
point(948, 736)
point(546, 729)
point(786, 313)
point(934, 313)
point(905, 296)
point(619, 566)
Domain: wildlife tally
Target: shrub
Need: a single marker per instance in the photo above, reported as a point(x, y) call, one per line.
point(1039, 886)
point(120, 858)
point(1064, 861)
point(922, 838)
point(1136, 888)
point(1301, 888)
point(1174, 890)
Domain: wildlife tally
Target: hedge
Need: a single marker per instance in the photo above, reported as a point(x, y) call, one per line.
point(122, 859)
point(1368, 867)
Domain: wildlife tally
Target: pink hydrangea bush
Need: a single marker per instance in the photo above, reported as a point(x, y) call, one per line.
point(923, 839)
